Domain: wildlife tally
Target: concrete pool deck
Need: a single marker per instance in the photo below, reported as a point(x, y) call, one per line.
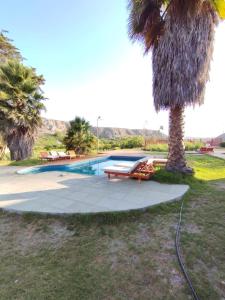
point(67, 193)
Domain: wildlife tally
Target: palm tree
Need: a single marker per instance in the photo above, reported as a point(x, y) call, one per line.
point(7, 49)
point(79, 136)
point(2, 147)
point(181, 35)
point(20, 107)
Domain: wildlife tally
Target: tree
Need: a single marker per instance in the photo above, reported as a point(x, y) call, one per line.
point(78, 136)
point(20, 107)
point(181, 35)
point(2, 147)
point(7, 49)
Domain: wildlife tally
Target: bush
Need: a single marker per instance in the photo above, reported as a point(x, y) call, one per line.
point(222, 144)
point(121, 143)
point(132, 142)
point(193, 146)
point(189, 146)
point(157, 147)
point(109, 144)
point(47, 142)
point(48, 147)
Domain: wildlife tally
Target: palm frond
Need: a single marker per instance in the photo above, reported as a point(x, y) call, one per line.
point(220, 7)
point(145, 23)
point(7, 49)
point(20, 97)
point(181, 60)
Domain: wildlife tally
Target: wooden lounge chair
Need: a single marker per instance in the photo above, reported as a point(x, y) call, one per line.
point(141, 170)
point(157, 162)
point(54, 154)
point(44, 155)
point(71, 154)
point(80, 155)
point(63, 155)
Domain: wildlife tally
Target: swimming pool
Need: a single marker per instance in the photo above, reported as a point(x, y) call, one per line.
point(90, 167)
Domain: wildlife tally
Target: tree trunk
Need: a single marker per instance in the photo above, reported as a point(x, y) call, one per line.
point(2, 152)
point(176, 157)
point(20, 145)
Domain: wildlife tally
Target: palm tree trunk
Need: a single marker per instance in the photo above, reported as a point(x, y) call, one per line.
point(176, 157)
point(20, 145)
point(2, 152)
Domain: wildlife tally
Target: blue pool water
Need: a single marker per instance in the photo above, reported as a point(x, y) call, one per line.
point(91, 167)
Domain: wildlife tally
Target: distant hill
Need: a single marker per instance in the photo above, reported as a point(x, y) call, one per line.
point(113, 132)
point(52, 126)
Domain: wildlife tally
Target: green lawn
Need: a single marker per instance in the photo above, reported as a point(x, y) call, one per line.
point(121, 256)
point(25, 163)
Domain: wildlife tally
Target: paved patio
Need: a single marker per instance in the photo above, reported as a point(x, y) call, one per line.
point(220, 153)
point(62, 193)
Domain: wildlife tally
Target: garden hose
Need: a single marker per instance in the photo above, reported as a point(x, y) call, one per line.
point(177, 246)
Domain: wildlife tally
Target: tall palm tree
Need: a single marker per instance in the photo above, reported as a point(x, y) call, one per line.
point(181, 35)
point(7, 49)
point(79, 136)
point(2, 147)
point(20, 107)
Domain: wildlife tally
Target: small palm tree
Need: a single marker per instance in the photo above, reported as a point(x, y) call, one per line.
point(181, 35)
point(20, 107)
point(79, 136)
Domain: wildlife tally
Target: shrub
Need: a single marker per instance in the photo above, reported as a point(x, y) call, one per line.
point(189, 146)
point(109, 144)
point(193, 146)
point(48, 142)
point(157, 147)
point(222, 144)
point(132, 142)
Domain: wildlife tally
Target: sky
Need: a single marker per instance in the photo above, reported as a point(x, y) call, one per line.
point(92, 69)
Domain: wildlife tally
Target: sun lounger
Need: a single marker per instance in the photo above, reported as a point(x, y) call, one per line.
point(142, 169)
point(132, 164)
point(47, 156)
point(80, 155)
point(54, 154)
point(63, 155)
point(125, 164)
point(157, 162)
point(72, 154)
point(120, 169)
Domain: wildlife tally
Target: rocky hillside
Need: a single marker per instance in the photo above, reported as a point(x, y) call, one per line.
point(112, 132)
point(52, 126)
